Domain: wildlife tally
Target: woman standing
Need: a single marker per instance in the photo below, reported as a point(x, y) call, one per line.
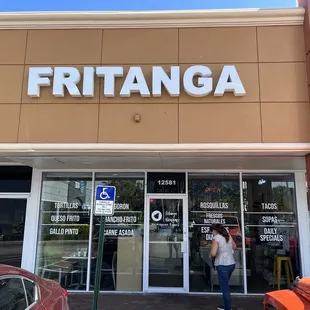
point(222, 250)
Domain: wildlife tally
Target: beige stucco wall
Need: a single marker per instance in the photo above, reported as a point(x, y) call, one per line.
point(270, 61)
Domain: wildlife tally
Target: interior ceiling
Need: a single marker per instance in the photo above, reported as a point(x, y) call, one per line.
point(152, 161)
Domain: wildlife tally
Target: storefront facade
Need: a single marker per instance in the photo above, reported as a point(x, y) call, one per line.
point(194, 117)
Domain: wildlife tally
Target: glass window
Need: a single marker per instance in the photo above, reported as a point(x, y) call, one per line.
point(30, 291)
point(12, 223)
point(64, 228)
point(12, 294)
point(15, 179)
point(271, 230)
point(213, 199)
point(123, 247)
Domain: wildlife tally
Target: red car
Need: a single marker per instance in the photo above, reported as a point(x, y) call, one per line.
point(296, 299)
point(20, 290)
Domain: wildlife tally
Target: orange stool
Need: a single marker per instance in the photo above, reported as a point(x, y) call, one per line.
point(277, 269)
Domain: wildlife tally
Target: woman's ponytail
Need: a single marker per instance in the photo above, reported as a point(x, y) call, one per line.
point(221, 230)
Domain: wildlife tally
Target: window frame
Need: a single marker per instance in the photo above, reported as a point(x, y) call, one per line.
point(37, 296)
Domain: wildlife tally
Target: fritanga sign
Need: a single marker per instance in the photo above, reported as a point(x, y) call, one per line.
point(197, 81)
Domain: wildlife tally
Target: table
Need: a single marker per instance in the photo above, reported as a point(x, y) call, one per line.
point(80, 258)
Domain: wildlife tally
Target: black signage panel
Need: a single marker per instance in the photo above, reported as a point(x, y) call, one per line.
point(165, 183)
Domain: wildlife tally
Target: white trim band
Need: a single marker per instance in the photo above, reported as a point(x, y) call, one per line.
point(152, 19)
point(289, 148)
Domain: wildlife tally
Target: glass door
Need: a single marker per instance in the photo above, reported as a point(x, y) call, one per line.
point(166, 244)
point(12, 224)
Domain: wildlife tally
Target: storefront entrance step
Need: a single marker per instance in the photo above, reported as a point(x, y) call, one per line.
point(161, 301)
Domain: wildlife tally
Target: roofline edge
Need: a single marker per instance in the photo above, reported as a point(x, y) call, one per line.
point(151, 19)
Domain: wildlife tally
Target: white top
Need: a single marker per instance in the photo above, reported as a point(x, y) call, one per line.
point(225, 252)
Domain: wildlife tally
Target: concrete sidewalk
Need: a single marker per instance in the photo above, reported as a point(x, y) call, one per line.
point(161, 302)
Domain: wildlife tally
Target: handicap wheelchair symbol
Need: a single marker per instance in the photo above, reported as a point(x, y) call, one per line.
point(104, 195)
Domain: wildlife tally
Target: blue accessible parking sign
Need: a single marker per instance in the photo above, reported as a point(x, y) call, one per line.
point(105, 200)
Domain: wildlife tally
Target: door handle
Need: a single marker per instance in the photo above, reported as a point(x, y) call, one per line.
point(183, 247)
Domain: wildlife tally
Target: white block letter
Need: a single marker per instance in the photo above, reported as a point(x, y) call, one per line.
point(109, 74)
point(38, 77)
point(205, 83)
point(89, 82)
point(69, 77)
point(172, 84)
point(229, 81)
point(135, 83)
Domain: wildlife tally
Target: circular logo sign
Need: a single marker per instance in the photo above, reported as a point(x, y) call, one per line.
point(156, 216)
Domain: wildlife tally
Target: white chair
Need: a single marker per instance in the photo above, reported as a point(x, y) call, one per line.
point(60, 267)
